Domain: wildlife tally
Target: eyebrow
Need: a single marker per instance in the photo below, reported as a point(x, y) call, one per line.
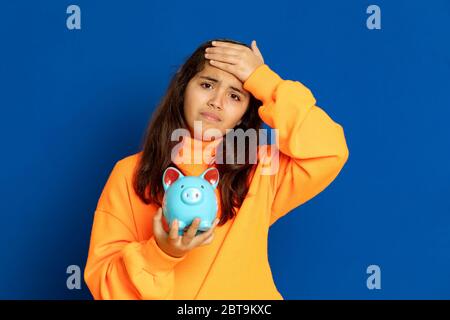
point(215, 80)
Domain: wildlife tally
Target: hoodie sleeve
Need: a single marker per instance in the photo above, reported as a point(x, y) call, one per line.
point(119, 265)
point(312, 146)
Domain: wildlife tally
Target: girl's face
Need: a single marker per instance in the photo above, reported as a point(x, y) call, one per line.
point(216, 98)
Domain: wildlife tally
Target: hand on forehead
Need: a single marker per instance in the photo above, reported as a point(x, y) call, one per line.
point(236, 59)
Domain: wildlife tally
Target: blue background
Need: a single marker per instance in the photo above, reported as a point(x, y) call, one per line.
point(75, 102)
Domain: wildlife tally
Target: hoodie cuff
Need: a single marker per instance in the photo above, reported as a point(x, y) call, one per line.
point(157, 258)
point(262, 83)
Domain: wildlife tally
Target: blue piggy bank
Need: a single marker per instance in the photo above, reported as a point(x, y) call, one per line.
point(190, 197)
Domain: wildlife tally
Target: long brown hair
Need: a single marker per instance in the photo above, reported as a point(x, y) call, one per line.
point(157, 145)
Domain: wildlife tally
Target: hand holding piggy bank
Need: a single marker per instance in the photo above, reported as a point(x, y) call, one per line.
point(190, 197)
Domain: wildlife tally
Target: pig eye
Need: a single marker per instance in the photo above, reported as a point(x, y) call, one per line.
point(182, 186)
point(202, 187)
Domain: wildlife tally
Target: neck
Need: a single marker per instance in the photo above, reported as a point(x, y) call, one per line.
point(194, 155)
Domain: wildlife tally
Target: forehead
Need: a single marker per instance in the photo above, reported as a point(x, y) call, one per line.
point(220, 75)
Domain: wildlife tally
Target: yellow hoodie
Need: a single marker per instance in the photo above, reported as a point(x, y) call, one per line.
point(125, 262)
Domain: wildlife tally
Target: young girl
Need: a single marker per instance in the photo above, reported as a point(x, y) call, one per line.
point(223, 85)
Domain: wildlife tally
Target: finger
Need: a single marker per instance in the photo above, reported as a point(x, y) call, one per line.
point(255, 49)
point(207, 240)
point(158, 229)
point(231, 59)
point(206, 234)
point(222, 65)
point(173, 233)
point(223, 50)
point(228, 45)
point(191, 232)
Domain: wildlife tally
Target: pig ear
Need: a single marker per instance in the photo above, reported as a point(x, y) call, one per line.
point(171, 175)
point(212, 176)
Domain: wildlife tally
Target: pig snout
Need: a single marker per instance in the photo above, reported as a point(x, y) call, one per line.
point(191, 196)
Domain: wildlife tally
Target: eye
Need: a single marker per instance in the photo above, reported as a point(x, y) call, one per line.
point(206, 84)
point(238, 99)
point(182, 186)
point(202, 187)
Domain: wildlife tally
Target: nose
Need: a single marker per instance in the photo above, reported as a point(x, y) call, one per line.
point(216, 101)
point(191, 196)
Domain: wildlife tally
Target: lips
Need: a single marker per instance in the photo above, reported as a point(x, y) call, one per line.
point(210, 116)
